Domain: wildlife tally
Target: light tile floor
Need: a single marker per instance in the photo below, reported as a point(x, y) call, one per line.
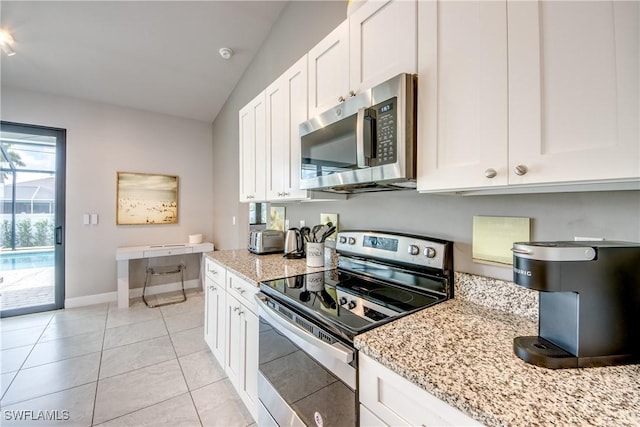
point(104, 366)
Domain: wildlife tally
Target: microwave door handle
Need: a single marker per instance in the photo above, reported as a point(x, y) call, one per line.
point(365, 136)
point(360, 139)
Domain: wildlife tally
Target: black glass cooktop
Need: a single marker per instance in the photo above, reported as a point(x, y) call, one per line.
point(351, 303)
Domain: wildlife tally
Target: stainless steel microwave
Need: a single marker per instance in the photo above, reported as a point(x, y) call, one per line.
point(366, 143)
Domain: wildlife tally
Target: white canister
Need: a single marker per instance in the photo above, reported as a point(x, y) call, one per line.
point(315, 254)
point(194, 239)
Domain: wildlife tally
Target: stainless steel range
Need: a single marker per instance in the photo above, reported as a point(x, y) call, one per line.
point(307, 361)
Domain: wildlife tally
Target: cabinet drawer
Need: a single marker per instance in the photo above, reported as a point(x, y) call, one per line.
point(243, 290)
point(394, 399)
point(151, 253)
point(215, 271)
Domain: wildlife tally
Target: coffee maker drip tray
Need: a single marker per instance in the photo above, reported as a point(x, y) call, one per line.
point(540, 352)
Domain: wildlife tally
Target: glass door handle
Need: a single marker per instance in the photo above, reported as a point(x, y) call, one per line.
point(59, 235)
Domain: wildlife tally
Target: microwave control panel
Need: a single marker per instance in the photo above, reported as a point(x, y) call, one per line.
point(386, 131)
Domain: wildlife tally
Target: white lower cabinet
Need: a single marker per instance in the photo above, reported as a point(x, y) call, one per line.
point(215, 307)
point(387, 399)
point(242, 340)
point(231, 330)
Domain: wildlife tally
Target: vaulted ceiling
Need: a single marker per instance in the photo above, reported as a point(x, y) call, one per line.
point(159, 56)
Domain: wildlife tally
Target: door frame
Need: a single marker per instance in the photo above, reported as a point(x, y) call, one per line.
point(60, 211)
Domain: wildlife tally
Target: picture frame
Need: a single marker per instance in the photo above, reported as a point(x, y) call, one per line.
point(145, 199)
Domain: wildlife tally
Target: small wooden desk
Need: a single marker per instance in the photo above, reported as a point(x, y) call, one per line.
point(126, 253)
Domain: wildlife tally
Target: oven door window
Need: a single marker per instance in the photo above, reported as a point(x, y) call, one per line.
point(309, 390)
point(330, 150)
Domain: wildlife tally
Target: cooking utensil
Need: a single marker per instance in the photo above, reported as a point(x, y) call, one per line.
point(321, 230)
point(305, 233)
point(327, 233)
point(314, 233)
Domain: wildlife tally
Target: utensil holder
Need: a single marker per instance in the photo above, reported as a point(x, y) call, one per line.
point(315, 254)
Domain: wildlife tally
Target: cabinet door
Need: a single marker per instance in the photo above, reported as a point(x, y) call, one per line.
point(329, 70)
point(249, 344)
point(393, 400)
point(382, 42)
point(252, 133)
point(209, 313)
point(573, 90)
point(214, 322)
point(462, 87)
point(277, 141)
point(286, 107)
point(295, 80)
point(233, 363)
point(369, 419)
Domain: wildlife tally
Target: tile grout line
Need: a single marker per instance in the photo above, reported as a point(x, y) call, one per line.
point(33, 346)
point(95, 394)
point(182, 370)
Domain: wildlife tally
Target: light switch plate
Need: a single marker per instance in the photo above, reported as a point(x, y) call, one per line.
point(94, 218)
point(493, 238)
point(85, 219)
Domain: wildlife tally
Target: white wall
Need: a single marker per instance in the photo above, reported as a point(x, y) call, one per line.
point(102, 140)
point(301, 25)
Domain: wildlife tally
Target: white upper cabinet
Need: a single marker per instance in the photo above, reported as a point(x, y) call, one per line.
point(382, 42)
point(462, 95)
point(377, 42)
point(329, 70)
point(573, 90)
point(252, 134)
point(286, 108)
point(557, 104)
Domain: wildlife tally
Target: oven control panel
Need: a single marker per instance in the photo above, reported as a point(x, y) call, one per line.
point(408, 249)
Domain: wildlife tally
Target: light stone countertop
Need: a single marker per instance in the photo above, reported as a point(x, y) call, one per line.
point(257, 268)
point(461, 352)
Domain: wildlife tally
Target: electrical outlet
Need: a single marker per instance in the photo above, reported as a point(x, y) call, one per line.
point(302, 223)
point(233, 220)
point(286, 224)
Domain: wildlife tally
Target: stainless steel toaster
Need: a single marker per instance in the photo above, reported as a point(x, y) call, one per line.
point(266, 241)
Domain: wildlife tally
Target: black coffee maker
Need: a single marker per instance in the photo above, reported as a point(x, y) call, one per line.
point(589, 312)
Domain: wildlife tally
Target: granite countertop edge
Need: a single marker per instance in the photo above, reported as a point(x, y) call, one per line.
point(258, 268)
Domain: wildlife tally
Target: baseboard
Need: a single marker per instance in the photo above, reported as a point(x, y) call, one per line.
point(133, 293)
point(90, 299)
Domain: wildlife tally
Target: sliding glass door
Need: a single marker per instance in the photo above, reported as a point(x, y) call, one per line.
point(32, 182)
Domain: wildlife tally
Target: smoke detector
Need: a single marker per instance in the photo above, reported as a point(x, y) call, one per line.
point(225, 52)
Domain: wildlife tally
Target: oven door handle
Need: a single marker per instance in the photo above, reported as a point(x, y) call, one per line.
point(301, 337)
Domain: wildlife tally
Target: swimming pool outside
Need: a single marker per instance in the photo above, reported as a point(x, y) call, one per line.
point(26, 259)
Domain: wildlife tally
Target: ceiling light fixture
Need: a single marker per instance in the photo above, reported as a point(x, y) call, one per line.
point(225, 52)
point(6, 43)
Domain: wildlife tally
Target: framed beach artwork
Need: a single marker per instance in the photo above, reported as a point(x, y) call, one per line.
point(145, 198)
